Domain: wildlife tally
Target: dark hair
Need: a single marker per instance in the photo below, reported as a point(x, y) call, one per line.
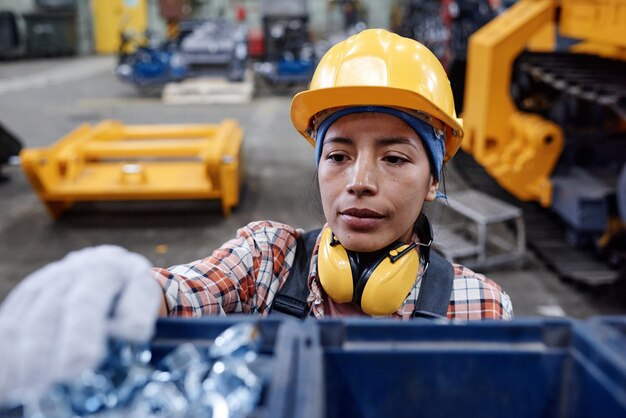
point(442, 180)
point(315, 200)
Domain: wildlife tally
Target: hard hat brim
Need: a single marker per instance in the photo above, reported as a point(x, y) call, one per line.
point(306, 104)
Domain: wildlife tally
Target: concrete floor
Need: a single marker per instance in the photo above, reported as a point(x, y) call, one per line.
point(42, 100)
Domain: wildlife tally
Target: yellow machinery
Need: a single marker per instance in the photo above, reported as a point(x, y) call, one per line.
point(113, 161)
point(113, 17)
point(545, 106)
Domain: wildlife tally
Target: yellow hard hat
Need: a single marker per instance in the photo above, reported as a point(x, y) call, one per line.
point(380, 68)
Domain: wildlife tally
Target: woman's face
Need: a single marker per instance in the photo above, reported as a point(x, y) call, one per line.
point(374, 177)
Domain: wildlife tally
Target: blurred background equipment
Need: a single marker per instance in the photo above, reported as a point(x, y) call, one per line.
point(193, 47)
point(112, 18)
point(10, 147)
point(51, 28)
point(289, 54)
point(545, 115)
point(478, 230)
point(148, 63)
point(445, 27)
point(9, 35)
point(214, 47)
point(173, 11)
point(464, 17)
point(423, 21)
point(353, 17)
point(113, 161)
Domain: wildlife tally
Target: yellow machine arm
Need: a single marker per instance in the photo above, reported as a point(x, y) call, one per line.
point(518, 149)
point(113, 161)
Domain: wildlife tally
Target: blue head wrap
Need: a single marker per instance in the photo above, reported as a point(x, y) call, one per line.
point(433, 142)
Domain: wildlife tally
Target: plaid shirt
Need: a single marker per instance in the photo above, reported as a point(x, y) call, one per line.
point(244, 275)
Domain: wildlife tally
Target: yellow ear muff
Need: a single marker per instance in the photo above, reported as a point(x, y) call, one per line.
point(334, 270)
point(381, 290)
point(390, 283)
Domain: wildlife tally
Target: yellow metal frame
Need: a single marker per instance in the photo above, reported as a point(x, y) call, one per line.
point(521, 150)
point(601, 22)
point(113, 161)
point(112, 17)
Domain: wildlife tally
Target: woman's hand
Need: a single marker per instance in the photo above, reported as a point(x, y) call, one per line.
point(56, 322)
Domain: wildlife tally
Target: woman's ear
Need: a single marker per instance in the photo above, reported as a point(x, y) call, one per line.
point(432, 189)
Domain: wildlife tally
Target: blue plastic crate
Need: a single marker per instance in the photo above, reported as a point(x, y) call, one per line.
point(290, 342)
point(598, 378)
point(524, 368)
point(386, 368)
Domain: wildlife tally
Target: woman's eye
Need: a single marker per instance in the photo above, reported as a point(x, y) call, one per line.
point(394, 159)
point(337, 158)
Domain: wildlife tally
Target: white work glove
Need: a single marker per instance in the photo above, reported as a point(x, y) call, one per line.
point(57, 321)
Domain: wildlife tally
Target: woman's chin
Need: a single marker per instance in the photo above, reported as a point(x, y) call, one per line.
point(362, 249)
point(363, 242)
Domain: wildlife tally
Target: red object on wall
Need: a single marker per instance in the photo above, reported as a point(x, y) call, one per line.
point(172, 9)
point(240, 13)
point(256, 46)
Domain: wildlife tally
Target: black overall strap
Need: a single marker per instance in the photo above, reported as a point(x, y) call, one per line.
point(291, 297)
point(434, 296)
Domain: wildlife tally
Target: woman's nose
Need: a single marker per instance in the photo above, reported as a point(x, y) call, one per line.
point(363, 178)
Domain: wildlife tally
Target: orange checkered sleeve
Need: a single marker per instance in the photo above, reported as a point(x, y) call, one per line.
point(475, 296)
point(242, 276)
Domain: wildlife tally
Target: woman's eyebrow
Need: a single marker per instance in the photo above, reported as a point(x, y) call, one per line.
point(396, 141)
point(338, 140)
point(385, 141)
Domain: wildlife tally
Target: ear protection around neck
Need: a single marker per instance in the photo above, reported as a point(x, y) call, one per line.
point(380, 288)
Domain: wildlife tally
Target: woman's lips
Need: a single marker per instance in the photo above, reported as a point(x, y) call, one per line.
point(361, 218)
